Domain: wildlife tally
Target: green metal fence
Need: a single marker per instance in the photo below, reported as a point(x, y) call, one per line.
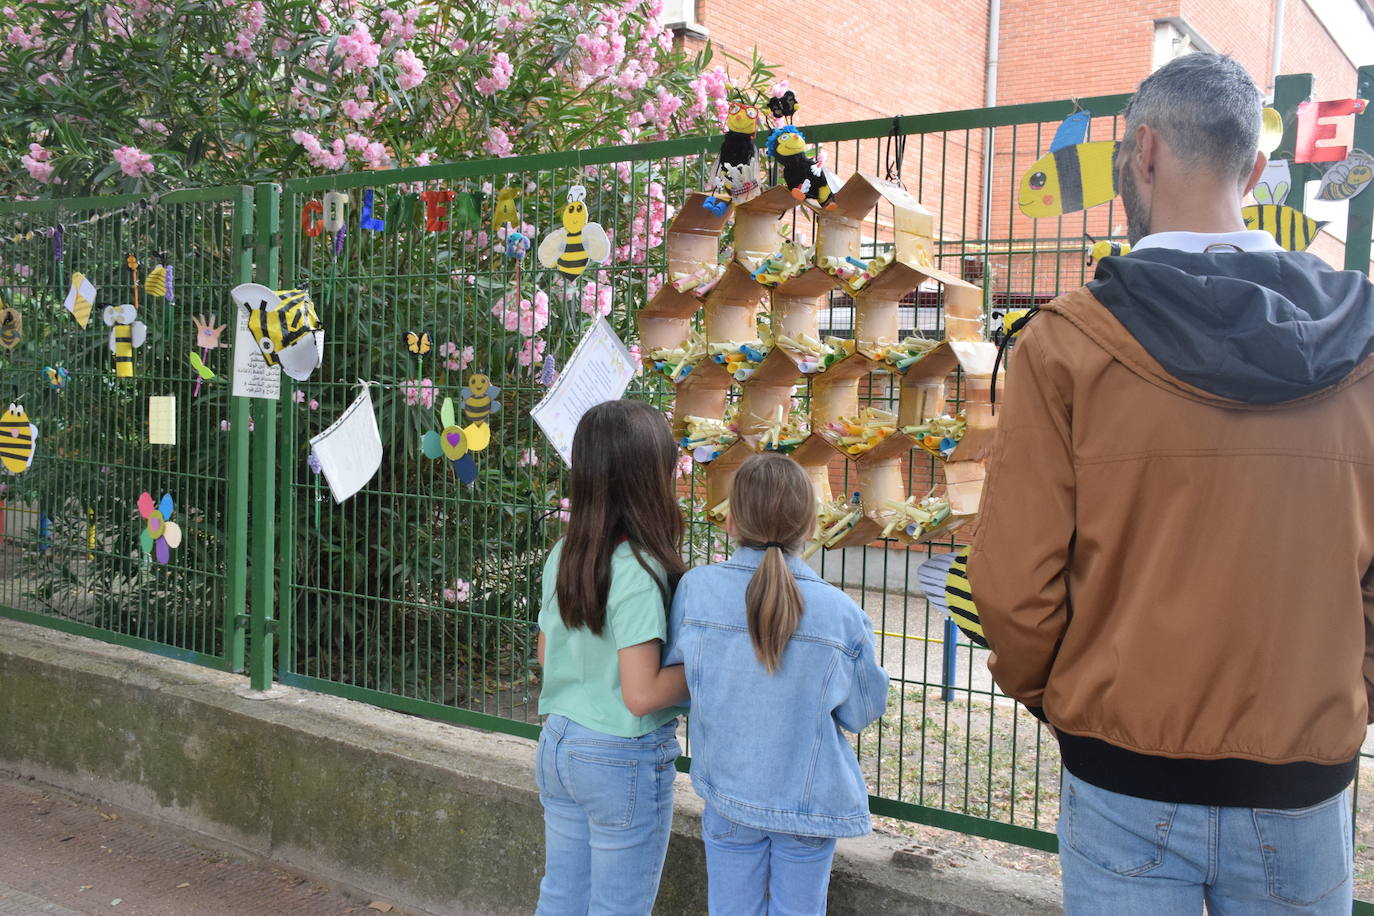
point(420, 593)
point(71, 556)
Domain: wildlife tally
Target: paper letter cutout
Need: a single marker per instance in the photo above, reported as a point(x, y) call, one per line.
point(1318, 122)
point(350, 450)
point(365, 219)
point(436, 209)
point(162, 420)
point(312, 218)
point(335, 211)
point(80, 298)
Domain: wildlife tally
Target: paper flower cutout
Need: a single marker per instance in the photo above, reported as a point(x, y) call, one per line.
point(452, 442)
point(161, 535)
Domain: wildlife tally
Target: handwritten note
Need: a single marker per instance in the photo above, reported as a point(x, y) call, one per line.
point(599, 370)
point(350, 450)
point(253, 378)
point(162, 420)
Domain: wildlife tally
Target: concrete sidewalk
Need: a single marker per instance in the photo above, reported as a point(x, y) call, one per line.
point(66, 856)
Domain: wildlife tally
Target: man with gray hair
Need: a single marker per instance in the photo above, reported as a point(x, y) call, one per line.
point(1173, 564)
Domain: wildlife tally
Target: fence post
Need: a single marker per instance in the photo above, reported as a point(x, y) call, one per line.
point(236, 559)
point(288, 462)
point(1290, 90)
point(262, 626)
point(1358, 217)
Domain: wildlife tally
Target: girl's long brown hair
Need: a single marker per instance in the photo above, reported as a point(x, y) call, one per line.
point(621, 489)
point(773, 507)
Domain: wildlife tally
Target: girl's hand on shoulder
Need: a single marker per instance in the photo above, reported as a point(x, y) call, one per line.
point(646, 686)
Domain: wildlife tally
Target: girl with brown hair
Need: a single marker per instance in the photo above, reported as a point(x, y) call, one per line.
point(778, 662)
point(605, 763)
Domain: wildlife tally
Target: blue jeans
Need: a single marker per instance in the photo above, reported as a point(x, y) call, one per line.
point(608, 810)
point(1129, 856)
point(753, 872)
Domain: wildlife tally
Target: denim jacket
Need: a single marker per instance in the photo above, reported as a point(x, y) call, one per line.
point(767, 749)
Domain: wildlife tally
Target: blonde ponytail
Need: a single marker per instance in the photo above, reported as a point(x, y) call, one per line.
point(772, 507)
point(774, 606)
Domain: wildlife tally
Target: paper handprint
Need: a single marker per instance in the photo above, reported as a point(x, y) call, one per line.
point(207, 335)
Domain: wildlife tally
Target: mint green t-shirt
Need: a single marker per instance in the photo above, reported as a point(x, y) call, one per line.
point(581, 670)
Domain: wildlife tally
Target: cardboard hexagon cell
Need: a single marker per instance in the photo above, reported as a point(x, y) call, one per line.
point(285, 326)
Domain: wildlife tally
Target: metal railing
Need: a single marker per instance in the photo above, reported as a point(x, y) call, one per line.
point(420, 593)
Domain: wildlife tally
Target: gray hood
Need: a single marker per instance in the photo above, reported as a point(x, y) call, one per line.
point(1255, 327)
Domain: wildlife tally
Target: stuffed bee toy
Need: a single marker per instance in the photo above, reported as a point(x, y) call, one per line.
point(799, 171)
point(738, 155)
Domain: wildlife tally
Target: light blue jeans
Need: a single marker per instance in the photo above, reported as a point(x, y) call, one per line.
point(608, 810)
point(753, 872)
point(1129, 856)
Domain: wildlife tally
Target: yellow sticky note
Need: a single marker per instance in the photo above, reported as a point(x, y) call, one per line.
point(162, 420)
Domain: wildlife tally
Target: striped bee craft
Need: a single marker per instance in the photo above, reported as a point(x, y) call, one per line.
point(285, 326)
point(1293, 230)
point(944, 582)
point(18, 437)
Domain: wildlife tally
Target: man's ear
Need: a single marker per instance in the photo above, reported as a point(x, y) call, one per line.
point(1144, 153)
point(1261, 160)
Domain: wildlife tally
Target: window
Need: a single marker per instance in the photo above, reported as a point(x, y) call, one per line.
point(681, 17)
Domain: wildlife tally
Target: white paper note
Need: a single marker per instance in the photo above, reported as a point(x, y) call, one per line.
point(599, 370)
point(253, 378)
point(162, 420)
point(350, 450)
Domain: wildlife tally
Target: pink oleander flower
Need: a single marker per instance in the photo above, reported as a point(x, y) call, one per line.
point(400, 27)
point(531, 353)
point(419, 391)
point(358, 49)
point(36, 161)
point(314, 404)
point(528, 459)
point(564, 512)
point(298, 396)
point(501, 72)
point(358, 111)
point(409, 71)
point(458, 592)
point(596, 299)
point(455, 360)
point(498, 143)
point(684, 466)
point(778, 89)
point(133, 161)
point(149, 126)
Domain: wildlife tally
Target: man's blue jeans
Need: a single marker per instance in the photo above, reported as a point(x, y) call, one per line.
point(1128, 856)
point(752, 872)
point(608, 811)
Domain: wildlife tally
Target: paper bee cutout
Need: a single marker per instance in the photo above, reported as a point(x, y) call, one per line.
point(1293, 230)
point(80, 299)
point(505, 211)
point(11, 328)
point(1074, 175)
point(1347, 178)
point(285, 326)
point(159, 282)
point(127, 334)
point(578, 242)
point(419, 344)
point(57, 378)
point(1275, 182)
point(479, 403)
point(18, 438)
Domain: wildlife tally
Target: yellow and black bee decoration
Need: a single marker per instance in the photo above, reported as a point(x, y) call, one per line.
point(1074, 175)
point(1106, 248)
point(18, 440)
point(578, 242)
point(11, 328)
point(418, 343)
point(1290, 228)
point(285, 325)
point(1347, 178)
point(127, 334)
point(479, 403)
point(944, 581)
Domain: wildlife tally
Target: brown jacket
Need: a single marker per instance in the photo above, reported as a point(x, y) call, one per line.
point(1173, 572)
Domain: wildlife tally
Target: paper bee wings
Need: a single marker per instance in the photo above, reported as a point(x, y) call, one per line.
point(127, 333)
point(578, 242)
point(18, 437)
point(285, 326)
